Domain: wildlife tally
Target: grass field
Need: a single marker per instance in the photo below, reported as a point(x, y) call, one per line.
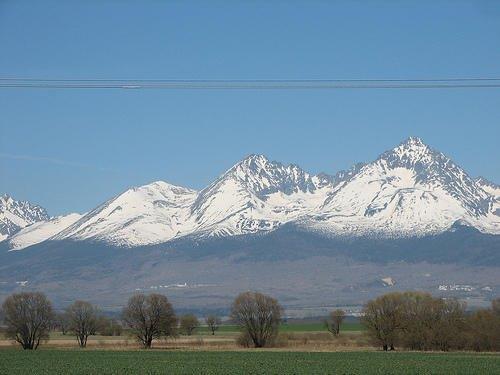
point(293, 327)
point(14, 361)
point(296, 336)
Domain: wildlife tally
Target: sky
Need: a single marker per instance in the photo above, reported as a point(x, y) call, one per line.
point(69, 150)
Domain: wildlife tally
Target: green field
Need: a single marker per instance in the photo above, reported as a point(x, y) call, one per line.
point(246, 362)
point(318, 327)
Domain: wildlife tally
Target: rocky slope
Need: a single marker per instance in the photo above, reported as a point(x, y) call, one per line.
point(15, 215)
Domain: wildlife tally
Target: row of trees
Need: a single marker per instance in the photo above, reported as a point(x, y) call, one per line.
point(412, 320)
point(152, 317)
point(29, 318)
point(418, 321)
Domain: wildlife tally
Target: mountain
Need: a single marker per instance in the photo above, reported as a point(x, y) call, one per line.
point(492, 189)
point(144, 215)
point(257, 195)
point(15, 215)
point(40, 231)
point(411, 190)
point(412, 216)
point(489, 187)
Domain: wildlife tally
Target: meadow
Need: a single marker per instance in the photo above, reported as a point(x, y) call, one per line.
point(294, 327)
point(242, 362)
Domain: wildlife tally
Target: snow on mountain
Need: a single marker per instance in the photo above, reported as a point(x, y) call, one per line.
point(15, 215)
point(492, 189)
point(149, 214)
point(489, 187)
point(40, 231)
point(410, 190)
point(257, 195)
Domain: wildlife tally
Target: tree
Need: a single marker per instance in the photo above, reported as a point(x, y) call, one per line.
point(416, 321)
point(419, 316)
point(482, 329)
point(334, 321)
point(382, 318)
point(28, 318)
point(61, 322)
point(449, 332)
point(189, 323)
point(109, 327)
point(495, 306)
point(213, 323)
point(258, 317)
point(149, 317)
point(83, 319)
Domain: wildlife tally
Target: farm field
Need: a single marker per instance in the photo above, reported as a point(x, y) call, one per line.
point(14, 361)
point(293, 327)
point(300, 338)
point(296, 336)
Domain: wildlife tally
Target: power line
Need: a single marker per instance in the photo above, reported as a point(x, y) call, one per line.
point(255, 84)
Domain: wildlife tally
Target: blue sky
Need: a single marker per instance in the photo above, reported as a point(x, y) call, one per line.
point(69, 150)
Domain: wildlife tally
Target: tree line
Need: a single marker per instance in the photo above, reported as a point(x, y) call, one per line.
point(418, 321)
point(411, 320)
point(29, 317)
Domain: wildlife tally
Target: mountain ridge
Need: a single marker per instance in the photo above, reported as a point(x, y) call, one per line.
point(15, 215)
point(410, 190)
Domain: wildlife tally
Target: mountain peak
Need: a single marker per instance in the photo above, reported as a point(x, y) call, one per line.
point(255, 157)
point(413, 141)
point(411, 153)
point(413, 147)
point(252, 161)
point(15, 215)
point(5, 198)
point(431, 167)
point(165, 186)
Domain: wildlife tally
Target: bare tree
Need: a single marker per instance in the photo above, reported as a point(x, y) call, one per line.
point(61, 322)
point(483, 328)
point(109, 327)
point(213, 323)
point(189, 323)
point(495, 306)
point(28, 317)
point(418, 321)
point(382, 318)
point(149, 317)
point(258, 316)
point(449, 332)
point(334, 321)
point(83, 319)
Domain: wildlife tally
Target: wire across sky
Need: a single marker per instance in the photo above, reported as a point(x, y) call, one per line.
point(257, 84)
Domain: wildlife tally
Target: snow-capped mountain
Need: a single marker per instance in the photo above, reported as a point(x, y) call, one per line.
point(489, 187)
point(149, 214)
point(15, 215)
point(493, 190)
point(410, 190)
point(257, 195)
point(254, 195)
point(40, 231)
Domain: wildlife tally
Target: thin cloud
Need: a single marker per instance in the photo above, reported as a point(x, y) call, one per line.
point(49, 160)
